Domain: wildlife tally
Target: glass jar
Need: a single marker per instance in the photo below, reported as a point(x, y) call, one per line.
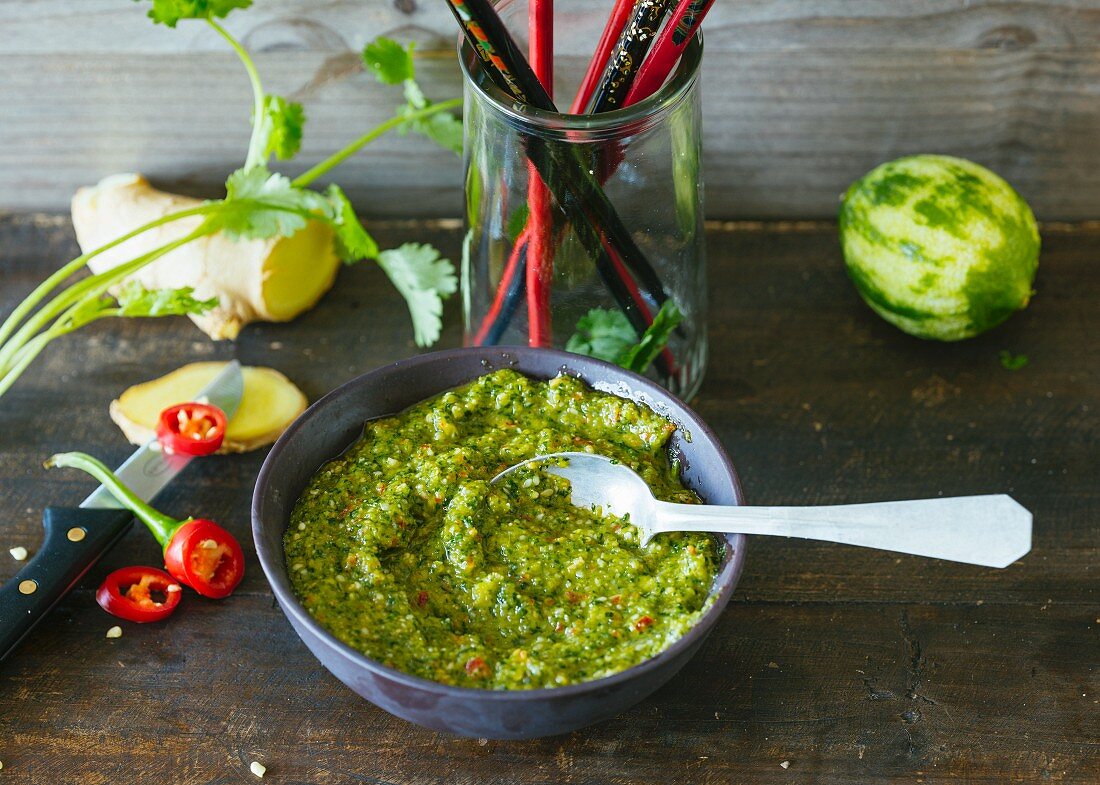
point(584, 229)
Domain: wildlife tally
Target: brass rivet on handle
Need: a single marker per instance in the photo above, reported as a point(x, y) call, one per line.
point(28, 587)
point(76, 534)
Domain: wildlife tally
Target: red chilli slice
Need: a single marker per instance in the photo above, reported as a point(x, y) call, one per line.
point(131, 594)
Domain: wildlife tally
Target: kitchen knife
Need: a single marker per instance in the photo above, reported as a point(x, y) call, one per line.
point(76, 537)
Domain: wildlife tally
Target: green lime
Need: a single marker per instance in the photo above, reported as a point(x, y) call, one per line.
point(939, 246)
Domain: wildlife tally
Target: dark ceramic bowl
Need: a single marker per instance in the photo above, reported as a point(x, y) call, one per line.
point(335, 421)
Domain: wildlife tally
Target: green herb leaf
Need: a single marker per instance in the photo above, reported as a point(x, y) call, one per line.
point(135, 300)
point(353, 241)
point(391, 62)
point(605, 335)
point(282, 127)
point(88, 310)
point(518, 222)
point(654, 340)
point(168, 12)
point(424, 280)
point(608, 335)
point(259, 205)
point(444, 129)
point(1012, 362)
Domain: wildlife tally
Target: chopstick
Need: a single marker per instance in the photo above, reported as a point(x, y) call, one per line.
point(667, 49)
point(509, 293)
point(541, 47)
point(600, 58)
point(628, 54)
point(574, 187)
point(540, 253)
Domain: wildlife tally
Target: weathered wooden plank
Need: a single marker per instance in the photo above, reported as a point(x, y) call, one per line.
point(801, 98)
point(110, 27)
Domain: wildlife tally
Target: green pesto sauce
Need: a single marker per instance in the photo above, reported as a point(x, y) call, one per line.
point(402, 549)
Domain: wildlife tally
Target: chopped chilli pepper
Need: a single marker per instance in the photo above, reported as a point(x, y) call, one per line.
point(477, 668)
point(197, 552)
point(139, 594)
point(191, 429)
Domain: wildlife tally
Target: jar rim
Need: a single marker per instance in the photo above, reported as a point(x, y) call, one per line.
point(646, 111)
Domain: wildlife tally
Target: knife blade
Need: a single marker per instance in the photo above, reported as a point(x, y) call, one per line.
point(77, 537)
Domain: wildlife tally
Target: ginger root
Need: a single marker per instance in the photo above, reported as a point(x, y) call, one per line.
point(271, 402)
point(254, 280)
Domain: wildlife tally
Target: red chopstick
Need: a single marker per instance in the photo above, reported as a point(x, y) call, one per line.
point(670, 44)
point(494, 322)
point(540, 21)
point(630, 51)
point(596, 67)
point(540, 249)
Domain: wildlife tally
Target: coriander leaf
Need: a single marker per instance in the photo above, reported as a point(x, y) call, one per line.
point(654, 340)
point(136, 300)
point(424, 280)
point(259, 205)
point(608, 335)
point(1012, 362)
point(605, 335)
point(89, 310)
point(133, 299)
point(168, 12)
point(391, 62)
point(353, 241)
point(444, 129)
point(518, 222)
point(281, 127)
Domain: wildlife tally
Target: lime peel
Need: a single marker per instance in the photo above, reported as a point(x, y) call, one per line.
point(939, 246)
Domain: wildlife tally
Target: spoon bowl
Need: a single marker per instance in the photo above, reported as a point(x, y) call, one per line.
point(599, 481)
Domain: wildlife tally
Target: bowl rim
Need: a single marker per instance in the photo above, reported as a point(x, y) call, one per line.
point(725, 580)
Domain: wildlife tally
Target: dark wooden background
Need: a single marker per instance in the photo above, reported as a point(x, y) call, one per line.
point(844, 665)
point(802, 96)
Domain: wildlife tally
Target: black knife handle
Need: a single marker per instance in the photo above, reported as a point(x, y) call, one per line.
point(75, 540)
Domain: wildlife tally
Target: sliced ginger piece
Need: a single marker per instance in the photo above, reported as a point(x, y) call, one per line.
point(270, 403)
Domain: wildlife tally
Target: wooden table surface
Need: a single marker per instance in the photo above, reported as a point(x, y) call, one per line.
point(831, 665)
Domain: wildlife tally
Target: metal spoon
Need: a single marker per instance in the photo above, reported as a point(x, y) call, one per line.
point(991, 531)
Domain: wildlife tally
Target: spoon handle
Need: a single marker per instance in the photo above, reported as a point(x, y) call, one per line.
point(992, 531)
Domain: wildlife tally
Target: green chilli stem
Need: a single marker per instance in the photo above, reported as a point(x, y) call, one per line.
point(162, 526)
point(339, 157)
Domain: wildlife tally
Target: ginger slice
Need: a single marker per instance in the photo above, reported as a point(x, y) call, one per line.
point(270, 403)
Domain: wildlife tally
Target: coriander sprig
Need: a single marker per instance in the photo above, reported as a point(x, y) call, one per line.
point(608, 335)
point(259, 204)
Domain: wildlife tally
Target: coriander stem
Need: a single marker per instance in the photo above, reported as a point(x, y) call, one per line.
point(255, 155)
point(94, 286)
point(24, 308)
point(338, 158)
point(24, 357)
